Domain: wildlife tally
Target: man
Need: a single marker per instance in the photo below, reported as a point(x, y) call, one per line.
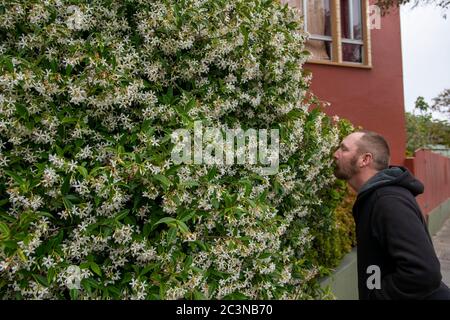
point(396, 258)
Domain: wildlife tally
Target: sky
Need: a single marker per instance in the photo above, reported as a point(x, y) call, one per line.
point(426, 53)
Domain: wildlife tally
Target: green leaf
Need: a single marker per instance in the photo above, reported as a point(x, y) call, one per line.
point(201, 244)
point(137, 201)
point(190, 183)
point(198, 295)
point(83, 171)
point(147, 269)
point(72, 197)
point(167, 220)
point(54, 65)
point(11, 244)
point(122, 214)
point(4, 201)
point(8, 63)
point(172, 234)
point(85, 265)
point(215, 203)
point(97, 200)
point(95, 170)
point(69, 120)
point(164, 181)
point(228, 200)
point(4, 231)
point(86, 285)
point(50, 275)
point(16, 178)
point(66, 185)
point(137, 158)
point(182, 226)
point(236, 296)
point(96, 268)
point(211, 173)
point(115, 291)
point(90, 282)
point(146, 125)
point(188, 262)
point(147, 230)
point(6, 217)
point(127, 278)
point(58, 239)
point(22, 111)
point(186, 216)
point(21, 255)
point(68, 70)
point(129, 220)
point(59, 151)
point(42, 280)
point(73, 294)
point(67, 203)
point(190, 104)
point(264, 255)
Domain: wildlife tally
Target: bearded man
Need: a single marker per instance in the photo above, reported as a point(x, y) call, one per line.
point(395, 254)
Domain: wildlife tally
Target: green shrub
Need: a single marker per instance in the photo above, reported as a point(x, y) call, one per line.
point(90, 93)
point(337, 237)
point(334, 228)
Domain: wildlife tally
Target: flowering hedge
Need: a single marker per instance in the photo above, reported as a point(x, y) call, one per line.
point(90, 92)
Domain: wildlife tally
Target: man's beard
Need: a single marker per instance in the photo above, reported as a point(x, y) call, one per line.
point(346, 172)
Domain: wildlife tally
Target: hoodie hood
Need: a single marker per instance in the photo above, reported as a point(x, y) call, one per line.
point(393, 176)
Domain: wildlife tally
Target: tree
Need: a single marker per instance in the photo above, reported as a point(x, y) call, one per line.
point(423, 130)
point(442, 102)
point(385, 5)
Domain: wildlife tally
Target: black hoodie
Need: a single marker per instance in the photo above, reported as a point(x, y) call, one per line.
point(392, 237)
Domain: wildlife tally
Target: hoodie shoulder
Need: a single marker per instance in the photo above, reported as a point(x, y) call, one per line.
point(391, 190)
point(396, 177)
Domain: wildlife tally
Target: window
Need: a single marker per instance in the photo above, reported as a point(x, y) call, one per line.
point(351, 31)
point(337, 30)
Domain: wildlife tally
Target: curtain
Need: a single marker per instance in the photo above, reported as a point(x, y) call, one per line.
point(345, 19)
point(351, 52)
point(319, 23)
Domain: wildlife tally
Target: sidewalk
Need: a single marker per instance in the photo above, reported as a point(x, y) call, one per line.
point(441, 243)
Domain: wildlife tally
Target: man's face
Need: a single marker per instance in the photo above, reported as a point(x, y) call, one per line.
point(346, 157)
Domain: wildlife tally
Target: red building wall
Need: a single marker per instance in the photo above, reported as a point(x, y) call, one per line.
point(371, 98)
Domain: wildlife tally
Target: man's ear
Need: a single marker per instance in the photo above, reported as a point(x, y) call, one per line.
point(367, 159)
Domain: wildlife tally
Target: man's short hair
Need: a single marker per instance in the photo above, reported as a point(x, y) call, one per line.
point(376, 144)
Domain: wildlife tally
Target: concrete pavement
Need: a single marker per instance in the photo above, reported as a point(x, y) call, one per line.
point(441, 243)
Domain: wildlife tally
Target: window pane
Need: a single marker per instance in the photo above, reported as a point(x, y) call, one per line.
point(319, 17)
point(319, 49)
point(351, 19)
point(357, 20)
point(345, 19)
point(351, 52)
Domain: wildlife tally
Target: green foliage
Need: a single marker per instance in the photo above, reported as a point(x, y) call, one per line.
point(422, 130)
point(442, 102)
point(386, 4)
point(337, 237)
point(92, 205)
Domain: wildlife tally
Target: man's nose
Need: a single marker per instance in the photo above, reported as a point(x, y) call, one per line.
point(336, 154)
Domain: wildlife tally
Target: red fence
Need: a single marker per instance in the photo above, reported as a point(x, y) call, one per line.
point(433, 170)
